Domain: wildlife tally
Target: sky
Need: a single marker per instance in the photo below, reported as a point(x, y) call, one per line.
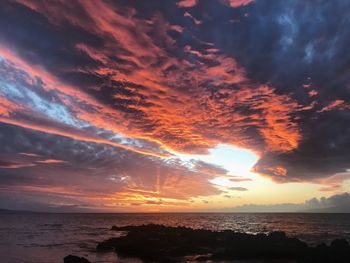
point(174, 105)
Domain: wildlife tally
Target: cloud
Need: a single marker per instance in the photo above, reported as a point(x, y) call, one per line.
point(237, 179)
point(339, 203)
point(142, 101)
point(50, 161)
point(333, 183)
point(336, 203)
point(196, 21)
point(237, 3)
point(334, 105)
point(29, 108)
point(207, 168)
point(100, 175)
point(146, 81)
point(238, 189)
point(293, 51)
point(187, 3)
point(29, 154)
point(145, 109)
point(14, 165)
point(17, 162)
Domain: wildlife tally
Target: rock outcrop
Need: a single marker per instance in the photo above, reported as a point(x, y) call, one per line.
point(159, 243)
point(75, 259)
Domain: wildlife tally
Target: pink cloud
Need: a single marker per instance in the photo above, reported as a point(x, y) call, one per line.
point(50, 161)
point(336, 104)
point(187, 3)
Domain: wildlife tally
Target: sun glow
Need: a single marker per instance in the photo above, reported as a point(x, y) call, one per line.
point(237, 161)
point(243, 185)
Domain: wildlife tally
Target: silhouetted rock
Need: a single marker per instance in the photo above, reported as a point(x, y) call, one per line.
point(108, 244)
point(340, 245)
point(75, 259)
point(159, 243)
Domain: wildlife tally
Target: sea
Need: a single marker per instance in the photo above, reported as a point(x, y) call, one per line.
point(49, 237)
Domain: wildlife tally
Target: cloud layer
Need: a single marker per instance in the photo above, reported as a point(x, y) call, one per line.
point(339, 203)
point(111, 91)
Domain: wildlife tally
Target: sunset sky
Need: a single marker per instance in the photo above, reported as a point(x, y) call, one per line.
point(169, 105)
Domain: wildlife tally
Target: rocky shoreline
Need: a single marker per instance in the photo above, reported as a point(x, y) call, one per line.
point(158, 243)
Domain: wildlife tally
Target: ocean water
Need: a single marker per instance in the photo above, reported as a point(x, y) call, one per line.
point(44, 238)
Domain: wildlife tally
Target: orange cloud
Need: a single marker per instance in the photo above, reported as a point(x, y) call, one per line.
point(278, 171)
point(7, 106)
point(133, 80)
point(185, 103)
point(237, 3)
point(176, 108)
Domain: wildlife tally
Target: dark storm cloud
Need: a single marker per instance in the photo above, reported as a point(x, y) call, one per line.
point(282, 43)
point(267, 75)
point(296, 47)
point(29, 34)
point(324, 152)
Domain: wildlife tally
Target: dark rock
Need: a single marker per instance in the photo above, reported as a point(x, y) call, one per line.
point(75, 259)
point(159, 243)
point(107, 244)
point(277, 235)
point(340, 245)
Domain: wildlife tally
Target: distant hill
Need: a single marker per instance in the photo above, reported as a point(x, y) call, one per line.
point(333, 209)
point(8, 211)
